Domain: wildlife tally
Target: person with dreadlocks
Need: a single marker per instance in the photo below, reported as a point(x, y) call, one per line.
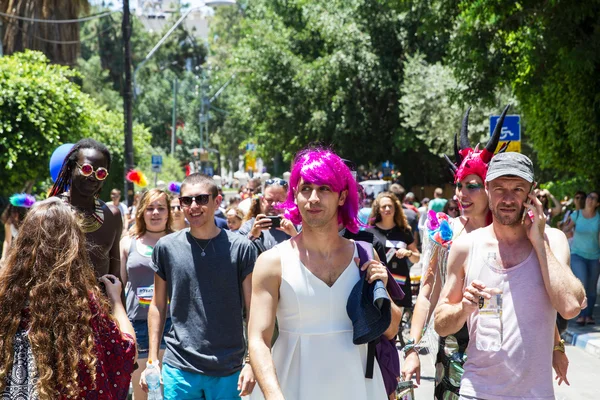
point(469, 174)
point(79, 183)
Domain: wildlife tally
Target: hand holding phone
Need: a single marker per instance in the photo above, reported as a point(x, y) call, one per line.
point(275, 220)
point(525, 209)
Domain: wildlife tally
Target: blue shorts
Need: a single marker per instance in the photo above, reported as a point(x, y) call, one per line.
point(183, 385)
point(141, 335)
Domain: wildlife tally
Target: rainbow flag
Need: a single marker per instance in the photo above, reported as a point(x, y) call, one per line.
point(401, 280)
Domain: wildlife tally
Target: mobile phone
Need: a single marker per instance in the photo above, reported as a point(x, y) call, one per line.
point(525, 209)
point(102, 286)
point(275, 221)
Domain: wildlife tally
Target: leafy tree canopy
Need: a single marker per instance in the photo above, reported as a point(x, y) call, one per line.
point(40, 109)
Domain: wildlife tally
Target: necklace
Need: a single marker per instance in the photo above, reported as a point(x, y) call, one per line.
point(202, 248)
point(91, 222)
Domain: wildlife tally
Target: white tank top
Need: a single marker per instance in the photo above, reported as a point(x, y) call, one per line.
point(510, 356)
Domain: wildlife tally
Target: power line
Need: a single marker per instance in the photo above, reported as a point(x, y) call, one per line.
point(81, 40)
point(60, 21)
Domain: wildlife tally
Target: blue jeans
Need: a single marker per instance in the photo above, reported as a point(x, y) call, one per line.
point(587, 271)
point(183, 385)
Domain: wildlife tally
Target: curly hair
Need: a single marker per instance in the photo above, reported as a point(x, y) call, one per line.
point(139, 228)
point(399, 217)
point(48, 271)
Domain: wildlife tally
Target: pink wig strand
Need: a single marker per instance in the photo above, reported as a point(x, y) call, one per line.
point(323, 167)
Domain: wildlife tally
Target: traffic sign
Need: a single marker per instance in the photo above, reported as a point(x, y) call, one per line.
point(512, 146)
point(156, 163)
point(208, 170)
point(511, 128)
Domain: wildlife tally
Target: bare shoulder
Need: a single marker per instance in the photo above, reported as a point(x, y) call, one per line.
point(268, 266)
point(555, 237)
point(114, 210)
point(125, 242)
point(462, 243)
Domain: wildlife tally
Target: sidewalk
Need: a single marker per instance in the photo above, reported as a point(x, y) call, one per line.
point(585, 337)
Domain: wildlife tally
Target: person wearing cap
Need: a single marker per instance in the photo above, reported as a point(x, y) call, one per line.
point(507, 281)
point(306, 282)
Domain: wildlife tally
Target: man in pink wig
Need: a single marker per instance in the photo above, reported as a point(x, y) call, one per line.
point(305, 282)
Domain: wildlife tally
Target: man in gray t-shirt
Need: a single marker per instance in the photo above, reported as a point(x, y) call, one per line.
point(206, 273)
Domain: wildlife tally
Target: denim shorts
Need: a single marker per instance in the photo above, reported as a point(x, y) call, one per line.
point(141, 333)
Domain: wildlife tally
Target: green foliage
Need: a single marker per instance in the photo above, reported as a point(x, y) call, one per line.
point(432, 106)
point(40, 109)
point(319, 71)
point(548, 52)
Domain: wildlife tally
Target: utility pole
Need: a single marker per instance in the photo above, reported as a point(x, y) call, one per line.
point(127, 101)
point(174, 128)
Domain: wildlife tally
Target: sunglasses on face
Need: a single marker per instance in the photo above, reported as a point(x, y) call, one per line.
point(87, 170)
point(593, 197)
point(201, 199)
point(279, 182)
point(175, 208)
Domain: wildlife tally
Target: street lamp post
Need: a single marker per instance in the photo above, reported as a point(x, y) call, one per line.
point(129, 127)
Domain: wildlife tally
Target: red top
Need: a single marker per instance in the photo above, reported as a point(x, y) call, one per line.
point(115, 352)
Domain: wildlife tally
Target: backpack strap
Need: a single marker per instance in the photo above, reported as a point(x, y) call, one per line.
point(365, 253)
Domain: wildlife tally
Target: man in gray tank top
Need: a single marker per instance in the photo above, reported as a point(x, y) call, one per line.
point(507, 281)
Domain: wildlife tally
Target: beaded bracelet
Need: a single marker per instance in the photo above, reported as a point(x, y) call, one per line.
point(410, 345)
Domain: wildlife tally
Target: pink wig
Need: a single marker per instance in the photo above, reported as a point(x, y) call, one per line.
point(323, 167)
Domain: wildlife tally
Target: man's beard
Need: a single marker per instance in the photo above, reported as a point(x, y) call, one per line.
point(507, 220)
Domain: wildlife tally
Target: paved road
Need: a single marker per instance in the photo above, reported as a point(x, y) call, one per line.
point(584, 376)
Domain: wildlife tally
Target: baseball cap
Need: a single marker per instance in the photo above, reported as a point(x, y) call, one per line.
point(510, 163)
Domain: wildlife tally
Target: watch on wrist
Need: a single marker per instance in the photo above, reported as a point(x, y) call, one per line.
point(560, 346)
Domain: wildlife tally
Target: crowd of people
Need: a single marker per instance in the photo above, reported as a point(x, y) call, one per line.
point(276, 286)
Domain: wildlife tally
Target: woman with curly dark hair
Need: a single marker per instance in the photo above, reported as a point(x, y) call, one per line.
point(389, 226)
point(60, 336)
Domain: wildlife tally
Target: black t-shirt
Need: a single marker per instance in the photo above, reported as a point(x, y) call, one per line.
point(395, 239)
point(368, 237)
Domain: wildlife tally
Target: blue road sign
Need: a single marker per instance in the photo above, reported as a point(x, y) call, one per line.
point(511, 128)
point(156, 160)
point(156, 163)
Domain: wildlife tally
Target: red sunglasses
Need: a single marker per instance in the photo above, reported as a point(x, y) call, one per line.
point(87, 170)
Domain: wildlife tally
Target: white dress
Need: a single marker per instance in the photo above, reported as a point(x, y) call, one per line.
point(314, 355)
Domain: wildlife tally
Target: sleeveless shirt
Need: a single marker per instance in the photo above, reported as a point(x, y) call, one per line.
point(522, 366)
point(140, 284)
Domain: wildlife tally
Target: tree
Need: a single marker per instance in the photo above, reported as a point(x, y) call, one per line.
point(547, 52)
point(40, 109)
point(60, 42)
point(320, 71)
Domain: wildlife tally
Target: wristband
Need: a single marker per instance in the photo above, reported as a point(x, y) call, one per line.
point(560, 346)
point(410, 345)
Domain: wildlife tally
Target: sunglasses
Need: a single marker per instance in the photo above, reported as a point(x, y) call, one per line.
point(593, 197)
point(201, 199)
point(175, 208)
point(279, 182)
point(87, 170)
